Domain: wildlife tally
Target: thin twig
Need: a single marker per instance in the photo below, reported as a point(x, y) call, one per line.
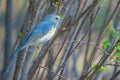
point(52, 72)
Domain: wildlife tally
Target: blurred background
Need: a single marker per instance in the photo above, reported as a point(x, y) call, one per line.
point(19, 11)
point(20, 8)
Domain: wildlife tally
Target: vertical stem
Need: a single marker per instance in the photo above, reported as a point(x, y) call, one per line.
point(8, 39)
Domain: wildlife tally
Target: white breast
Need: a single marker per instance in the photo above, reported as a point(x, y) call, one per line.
point(47, 36)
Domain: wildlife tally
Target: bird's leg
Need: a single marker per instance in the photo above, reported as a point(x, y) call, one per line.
point(36, 51)
point(28, 49)
point(47, 42)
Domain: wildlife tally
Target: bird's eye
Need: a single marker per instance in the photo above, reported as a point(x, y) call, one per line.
point(56, 18)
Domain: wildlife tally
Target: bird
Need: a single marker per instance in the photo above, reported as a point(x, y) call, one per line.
point(41, 33)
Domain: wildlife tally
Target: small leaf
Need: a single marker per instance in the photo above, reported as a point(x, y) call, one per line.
point(93, 67)
point(20, 34)
point(105, 44)
point(118, 56)
point(110, 24)
point(112, 29)
point(60, 14)
point(118, 36)
point(117, 46)
point(114, 32)
point(55, 4)
point(104, 68)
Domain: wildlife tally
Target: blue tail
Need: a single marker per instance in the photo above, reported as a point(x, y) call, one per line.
point(15, 53)
point(18, 49)
point(21, 45)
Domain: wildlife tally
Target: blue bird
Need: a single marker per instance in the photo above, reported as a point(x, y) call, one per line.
point(40, 34)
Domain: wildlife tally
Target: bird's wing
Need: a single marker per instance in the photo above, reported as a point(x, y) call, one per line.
point(39, 31)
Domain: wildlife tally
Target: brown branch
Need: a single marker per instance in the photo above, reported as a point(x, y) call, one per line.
point(63, 78)
point(104, 57)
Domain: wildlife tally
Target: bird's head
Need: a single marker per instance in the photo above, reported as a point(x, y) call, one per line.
point(54, 18)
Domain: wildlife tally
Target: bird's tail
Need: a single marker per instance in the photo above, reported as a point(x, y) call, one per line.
point(15, 53)
point(18, 49)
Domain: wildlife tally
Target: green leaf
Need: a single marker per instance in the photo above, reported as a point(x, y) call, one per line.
point(93, 67)
point(55, 4)
point(104, 68)
point(110, 25)
point(105, 44)
point(60, 14)
point(112, 29)
point(114, 32)
point(117, 46)
point(118, 36)
point(20, 34)
point(118, 56)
